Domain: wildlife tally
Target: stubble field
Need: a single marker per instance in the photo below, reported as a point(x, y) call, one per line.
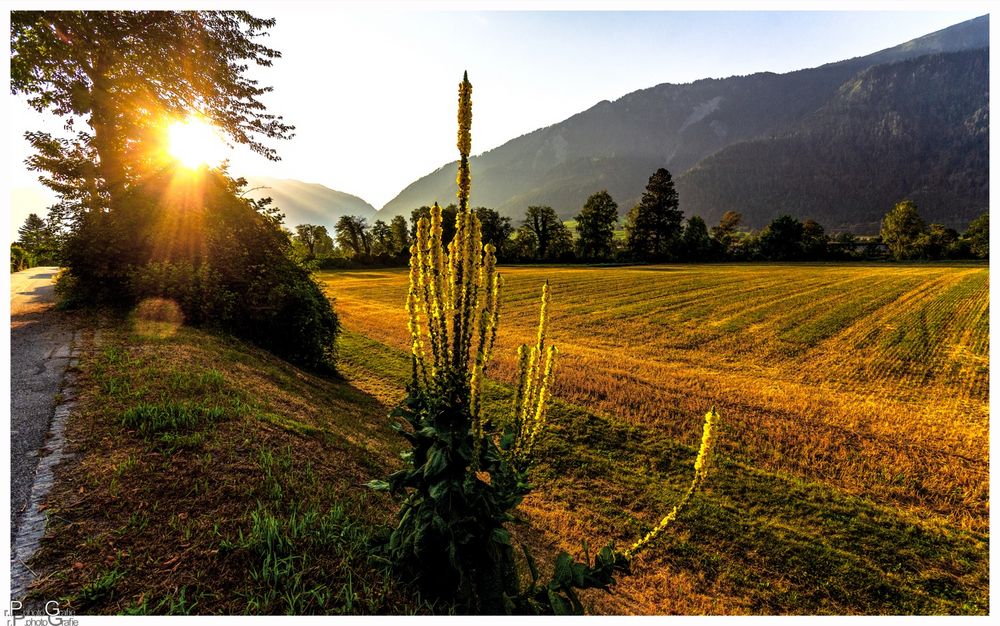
point(852, 473)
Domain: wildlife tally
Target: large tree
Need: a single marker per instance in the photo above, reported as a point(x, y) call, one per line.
point(547, 228)
point(726, 233)
point(381, 237)
point(815, 241)
point(124, 74)
point(595, 226)
point(978, 236)
point(902, 228)
point(496, 229)
point(353, 235)
point(654, 225)
point(315, 238)
point(696, 243)
point(400, 235)
point(781, 240)
point(37, 238)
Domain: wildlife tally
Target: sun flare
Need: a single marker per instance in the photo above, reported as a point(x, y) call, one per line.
point(194, 142)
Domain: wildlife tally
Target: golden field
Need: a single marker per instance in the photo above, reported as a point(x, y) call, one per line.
point(854, 401)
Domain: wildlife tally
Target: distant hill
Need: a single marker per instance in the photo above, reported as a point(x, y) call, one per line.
point(617, 145)
point(308, 203)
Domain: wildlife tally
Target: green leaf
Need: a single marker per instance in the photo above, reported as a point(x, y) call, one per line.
point(559, 606)
point(562, 574)
point(500, 535)
point(532, 566)
point(438, 489)
point(436, 463)
point(377, 485)
point(507, 441)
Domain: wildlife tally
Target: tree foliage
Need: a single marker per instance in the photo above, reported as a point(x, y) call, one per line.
point(353, 235)
point(219, 256)
point(781, 240)
point(978, 235)
point(124, 73)
point(497, 229)
point(696, 244)
point(40, 239)
point(381, 238)
point(595, 226)
point(552, 239)
point(400, 235)
point(901, 230)
point(654, 225)
point(314, 238)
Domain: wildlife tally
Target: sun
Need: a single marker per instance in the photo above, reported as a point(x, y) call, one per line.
point(194, 143)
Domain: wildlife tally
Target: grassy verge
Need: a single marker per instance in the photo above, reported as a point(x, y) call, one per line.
point(209, 477)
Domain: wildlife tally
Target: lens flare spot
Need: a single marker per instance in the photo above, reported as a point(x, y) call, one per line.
point(157, 318)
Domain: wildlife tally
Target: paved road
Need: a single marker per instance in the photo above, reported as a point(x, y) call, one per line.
point(40, 339)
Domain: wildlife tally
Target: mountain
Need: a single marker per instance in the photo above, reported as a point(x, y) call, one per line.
point(883, 137)
point(617, 145)
point(308, 203)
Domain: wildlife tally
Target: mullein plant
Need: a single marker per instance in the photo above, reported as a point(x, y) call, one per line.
point(465, 475)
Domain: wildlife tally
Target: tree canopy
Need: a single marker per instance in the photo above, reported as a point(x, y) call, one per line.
point(901, 230)
point(595, 226)
point(124, 74)
point(654, 225)
point(978, 235)
point(551, 236)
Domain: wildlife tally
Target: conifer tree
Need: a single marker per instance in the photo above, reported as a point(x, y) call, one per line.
point(654, 225)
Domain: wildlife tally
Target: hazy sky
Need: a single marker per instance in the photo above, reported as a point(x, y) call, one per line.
point(372, 92)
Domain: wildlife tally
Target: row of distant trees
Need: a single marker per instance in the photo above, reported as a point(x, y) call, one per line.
point(654, 230)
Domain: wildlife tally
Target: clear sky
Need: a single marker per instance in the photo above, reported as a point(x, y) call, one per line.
point(372, 92)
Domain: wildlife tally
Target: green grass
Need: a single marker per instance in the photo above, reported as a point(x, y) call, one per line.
point(219, 479)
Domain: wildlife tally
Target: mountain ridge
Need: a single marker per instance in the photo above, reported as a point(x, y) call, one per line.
point(308, 203)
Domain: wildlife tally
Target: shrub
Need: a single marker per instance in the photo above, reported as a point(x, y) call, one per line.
point(20, 259)
point(190, 237)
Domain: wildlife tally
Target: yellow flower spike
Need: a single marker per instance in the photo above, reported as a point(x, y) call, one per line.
point(495, 317)
point(439, 282)
point(486, 303)
point(473, 264)
point(707, 439)
point(465, 116)
point(522, 387)
point(543, 316)
point(530, 389)
point(413, 309)
point(700, 467)
point(425, 287)
point(543, 396)
point(464, 179)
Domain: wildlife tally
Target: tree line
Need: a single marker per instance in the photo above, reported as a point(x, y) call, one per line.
point(654, 230)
